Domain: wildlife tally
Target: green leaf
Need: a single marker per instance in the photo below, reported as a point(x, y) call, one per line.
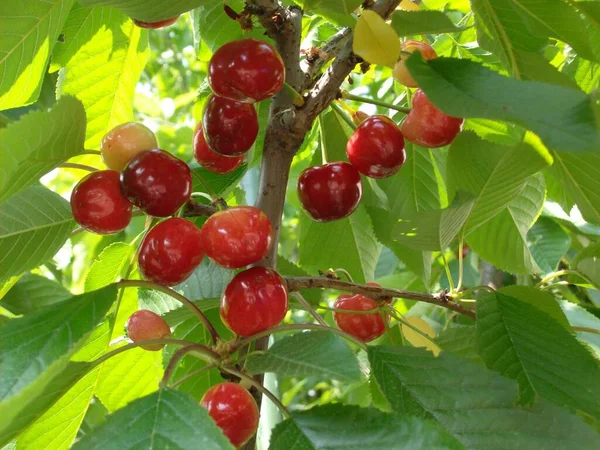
point(33, 292)
point(29, 31)
point(522, 342)
point(509, 228)
point(548, 243)
point(337, 11)
point(288, 268)
point(410, 23)
point(103, 72)
point(165, 419)
point(460, 340)
point(221, 184)
point(148, 10)
point(109, 266)
point(562, 117)
point(315, 353)
point(52, 138)
point(34, 225)
point(36, 349)
point(538, 299)
point(585, 73)
point(588, 263)
point(354, 428)
point(473, 404)
point(580, 317)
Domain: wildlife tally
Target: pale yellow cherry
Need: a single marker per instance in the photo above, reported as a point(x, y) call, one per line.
point(400, 72)
point(125, 141)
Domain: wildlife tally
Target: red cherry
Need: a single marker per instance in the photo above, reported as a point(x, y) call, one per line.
point(98, 204)
point(159, 24)
point(144, 325)
point(246, 70)
point(234, 410)
point(465, 251)
point(376, 149)
point(330, 192)
point(237, 237)
point(254, 301)
point(210, 159)
point(400, 72)
point(364, 327)
point(427, 126)
point(157, 182)
point(230, 127)
point(171, 251)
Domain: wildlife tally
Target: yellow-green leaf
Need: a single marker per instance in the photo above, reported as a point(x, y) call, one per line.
point(417, 339)
point(375, 40)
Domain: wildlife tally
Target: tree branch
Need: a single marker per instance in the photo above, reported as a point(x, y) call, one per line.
point(335, 44)
point(195, 209)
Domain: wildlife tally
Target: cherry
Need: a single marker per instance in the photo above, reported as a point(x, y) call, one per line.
point(171, 251)
point(465, 251)
point(254, 301)
point(365, 327)
point(400, 72)
point(122, 143)
point(98, 204)
point(427, 126)
point(331, 191)
point(376, 149)
point(159, 24)
point(157, 182)
point(246, 70)
point(143, 325)
point(230, 127)
point(211, 160)
point(237, 237)
point(234, 410)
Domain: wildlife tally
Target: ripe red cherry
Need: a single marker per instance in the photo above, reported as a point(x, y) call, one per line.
point(237, 237)
point(171, 251)
point(234, 410)
point(365, 327)
point(123, 142)
point(144, 325)
point(230, 127)
point(427, 126)
point(246, 70)
point(331, 191)
point(376, 149)
point(98, 204)
point(159, 24)
point(254, 301)
point(210, 159)
point(157, 182)
point(400, 72)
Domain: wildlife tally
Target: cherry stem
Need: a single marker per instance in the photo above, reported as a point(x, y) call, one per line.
point(560, 273)
point(177, 296)
point(90, 152)
point(586, 329)
point(68, 165)
point(297, 99)
point(345, 273)
point(357, 98)
point(388, 329)
point(193, 374)
point(342, 114)
point(133, 345)
point(297, 327)
point(195, 209)
point(392, 312)
point(460, 264)
point(448, 274)
point(350, 311)
point(203, 195)
point(206, 186)
point(309, 308)
point(198, 350)
point(259, 387)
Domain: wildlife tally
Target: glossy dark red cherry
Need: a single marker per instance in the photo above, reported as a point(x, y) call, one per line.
point(246, 70)
point(365, 327)
point(230, 127)
point(331, 191)
point(171, 251)
point(234, 410)
point(98, 204)
point(143, 325)
point(400, 72)
point(211, 160)
point(427, 126)
point(159, 24)
point(254, 301)
point(157, 182)
point(237, 237)
point(376, 149)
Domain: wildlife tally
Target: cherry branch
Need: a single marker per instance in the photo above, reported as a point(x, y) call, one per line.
point(315, 61)
point(195, 209)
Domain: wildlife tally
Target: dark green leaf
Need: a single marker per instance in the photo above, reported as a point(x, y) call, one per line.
point(410, 23)
point(33, 292)
point(548, 243)
point(460, 340)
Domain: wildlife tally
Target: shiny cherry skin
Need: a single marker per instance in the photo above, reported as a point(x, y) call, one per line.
point(234, 410)
point(155, 25)
point(157, 182)
point(427, 126)
point(246, 70)
point(143, 325)
point(98, 204)
point(400, 72)
point(171, 251)
point(331, 191)
point(376, 149)
point(364, 327)
point(237, 237)
point(230, 127)
point(254, 301)
point(211, 160)
point(123, 142)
